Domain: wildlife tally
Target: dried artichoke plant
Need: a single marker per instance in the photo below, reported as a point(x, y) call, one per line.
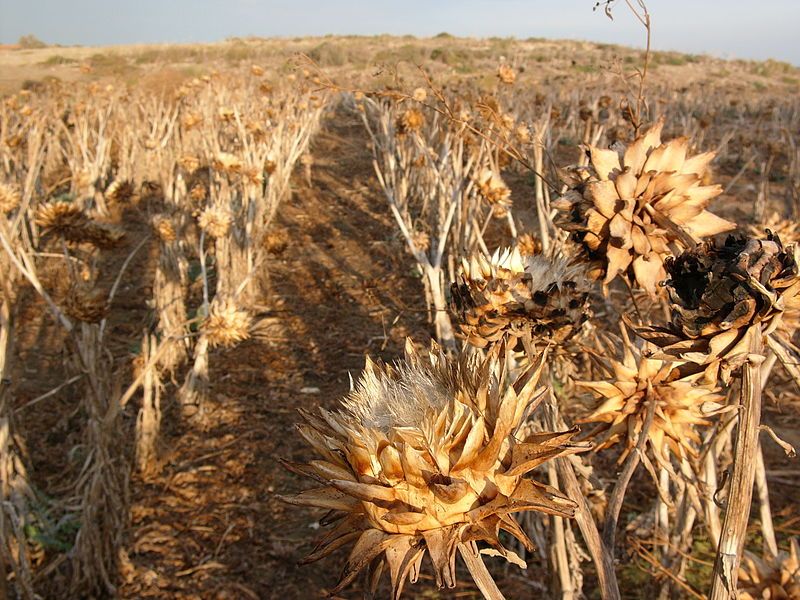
point(539, 299)
point(68, 221)
point(226, 324)
point(100, 494)
point(723, 293)
point(429, 177)
point(771, 577)
point(170, 285)
point(679, 406)
point(428, 455)
point(630, 209)
point(87, 141)
point(729, 297)
point(148, 421)
point(251, 141)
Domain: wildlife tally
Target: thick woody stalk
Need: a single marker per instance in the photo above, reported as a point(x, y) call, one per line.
point(734, 527)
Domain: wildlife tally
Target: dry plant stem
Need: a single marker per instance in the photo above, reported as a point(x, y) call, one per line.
point(103, 483)
point(762, 198)
point(662, 510)
point(6, 335)
point(711, 484)
point(644, 18)
point(542, 210)
point(480, 574)
point(618, 494)
point(765, 513)
point(3, 586)
point(654, 562)
point(674, 558)
point(148, 423)
point(203, 270)
point(762, 489)
point(734, 527)
point(716, 443)
point(558, 547)
point(603, 560)
point(169, 285)
point(195, 388)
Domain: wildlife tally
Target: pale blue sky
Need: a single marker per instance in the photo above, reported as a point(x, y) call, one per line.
point(733, 28)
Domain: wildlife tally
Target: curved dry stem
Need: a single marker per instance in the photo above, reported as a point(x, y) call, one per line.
point(480, 574)
point(618, 495)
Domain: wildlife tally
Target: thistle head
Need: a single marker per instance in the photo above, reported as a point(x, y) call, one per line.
point(428, 455)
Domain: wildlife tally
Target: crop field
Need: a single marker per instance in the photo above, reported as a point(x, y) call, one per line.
point(371, 316)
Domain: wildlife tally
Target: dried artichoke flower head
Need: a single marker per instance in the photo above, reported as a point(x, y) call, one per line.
point(771, 578)
point(10, 197)
point(427, 455)
point(86, 303)
point(724, 291)
point(629, 208)
point(506, 74)
point(681, 405)
point(120, 190)
point(542, 298)
point(62, 218)
point(226, 324)
point(494, 190)
point(411, 120)
point(216, 221)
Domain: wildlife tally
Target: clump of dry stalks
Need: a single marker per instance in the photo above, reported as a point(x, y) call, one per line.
point(234, 157)
point(429, 170)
